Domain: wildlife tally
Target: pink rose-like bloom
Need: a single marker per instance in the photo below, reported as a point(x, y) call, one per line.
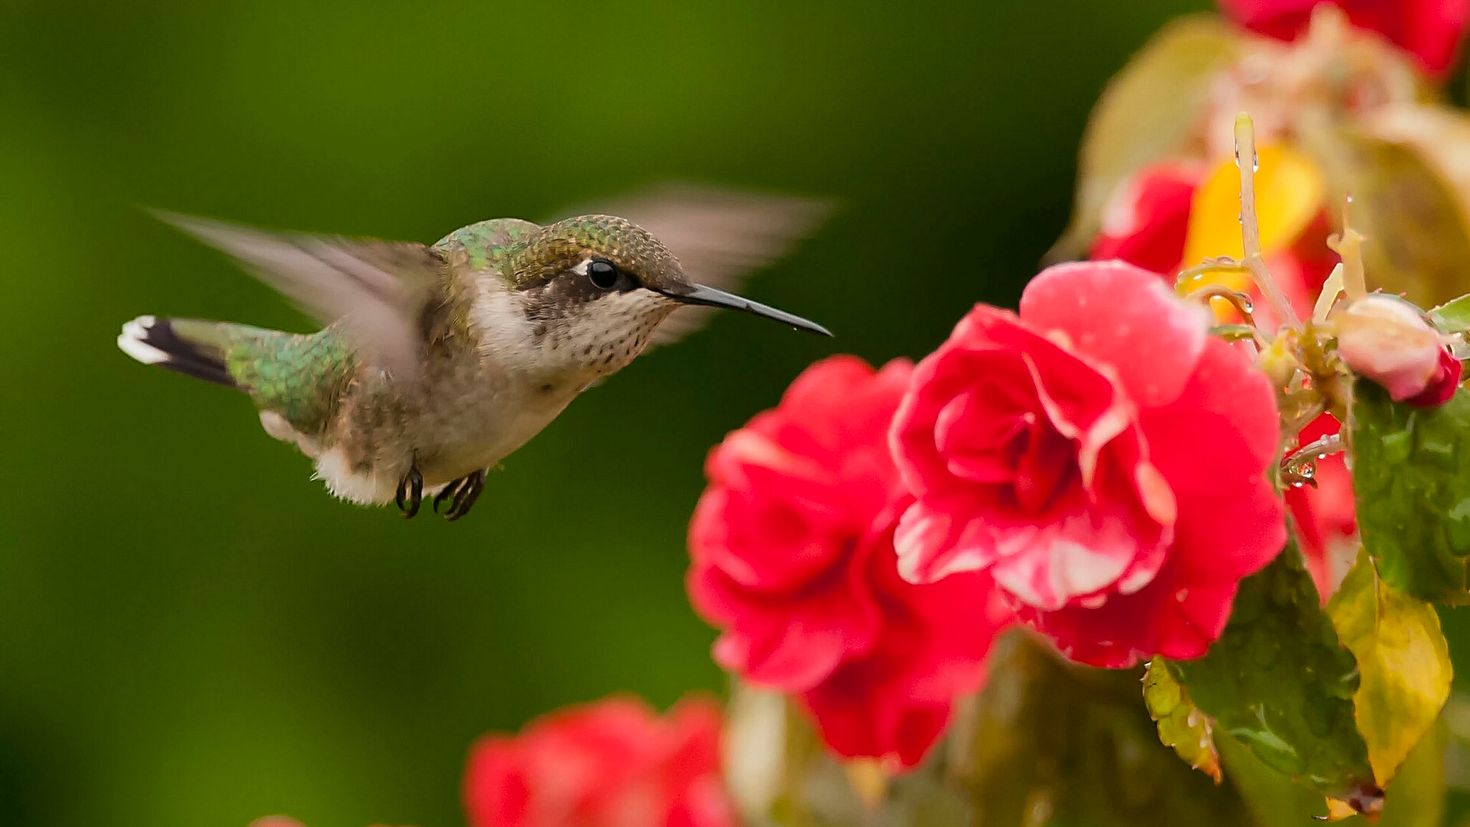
point(1101, 456)
point(614, 763)
point(1430, 30)
point(1389, 343)
point(792, 552)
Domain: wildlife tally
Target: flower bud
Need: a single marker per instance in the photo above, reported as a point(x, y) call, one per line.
point(1279, 363)
point(1388, 342)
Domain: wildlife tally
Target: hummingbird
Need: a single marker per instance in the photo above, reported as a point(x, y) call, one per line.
point(438, 361)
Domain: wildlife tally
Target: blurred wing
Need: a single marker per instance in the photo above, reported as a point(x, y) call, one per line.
point(720, 236)
point(376, 289)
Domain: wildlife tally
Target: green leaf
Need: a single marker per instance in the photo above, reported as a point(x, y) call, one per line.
point(1452, 316)
point(1129, 129)
point(1279, 681)
point(1411, 480)
point(1403, 664)
point(1416, 798)
point(1182, 725)
point(1049, 742)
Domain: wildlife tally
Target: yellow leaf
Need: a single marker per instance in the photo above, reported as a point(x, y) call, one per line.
point(1289, 194)
point(1130, 129)
point(1337, 810)
point(1403, 661)
point(1407, 201)
point(1182, 725)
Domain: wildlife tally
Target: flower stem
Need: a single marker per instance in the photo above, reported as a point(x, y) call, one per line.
point(1300, 466)
point(1245, 160)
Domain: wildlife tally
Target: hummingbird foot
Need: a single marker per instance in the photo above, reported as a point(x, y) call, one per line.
point(410, 492)
point(461, 495)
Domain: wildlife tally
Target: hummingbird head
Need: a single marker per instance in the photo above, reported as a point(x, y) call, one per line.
point(596, 286)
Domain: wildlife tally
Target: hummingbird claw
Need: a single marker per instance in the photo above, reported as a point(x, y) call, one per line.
point(448, 493)
point(411, 489)
point(461, 495)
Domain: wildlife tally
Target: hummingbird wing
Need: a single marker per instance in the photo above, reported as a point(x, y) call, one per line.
point(376, 290)
point(721, 236)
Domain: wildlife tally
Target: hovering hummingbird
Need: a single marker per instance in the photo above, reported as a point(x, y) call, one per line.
point(440, 360)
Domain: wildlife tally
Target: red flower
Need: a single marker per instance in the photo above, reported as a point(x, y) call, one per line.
point(1442, 385)
point(1324, 513)
point(1428, 29)
point(1147, 220)
point(793, 559)
point(610, 764)
point(894, 700)
point(1101, 456)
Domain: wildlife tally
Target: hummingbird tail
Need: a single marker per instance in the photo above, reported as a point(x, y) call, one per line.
point(183, 346)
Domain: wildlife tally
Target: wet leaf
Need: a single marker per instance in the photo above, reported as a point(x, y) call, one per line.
point(1417, 240)
point(1049, 742)
point(1182, 725)
point(1403, 664)
point(1279, 680)
point(1416, 798)
point(1129, 130)
point(1453, 316)
point(1412, 486)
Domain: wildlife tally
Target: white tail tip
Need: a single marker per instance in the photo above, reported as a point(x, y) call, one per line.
point(134, 341)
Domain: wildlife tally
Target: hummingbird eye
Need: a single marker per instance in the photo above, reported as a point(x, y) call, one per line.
point(602, 274)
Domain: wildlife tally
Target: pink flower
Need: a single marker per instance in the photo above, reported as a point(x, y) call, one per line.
point(1100, 456)
point(793, 559)
point(1430, 30)
point(1388, 342)
point(614, 763)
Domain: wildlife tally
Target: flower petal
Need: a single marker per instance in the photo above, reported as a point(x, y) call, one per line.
point(1124, 317)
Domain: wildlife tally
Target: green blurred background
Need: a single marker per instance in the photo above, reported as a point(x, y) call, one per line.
point(191, 631)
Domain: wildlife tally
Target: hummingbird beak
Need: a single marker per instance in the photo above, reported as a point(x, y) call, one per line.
point(710, 297)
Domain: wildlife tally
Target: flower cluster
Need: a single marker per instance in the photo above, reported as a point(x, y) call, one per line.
point(1360, 65)
point(1108, 464)
point(1098, 464)
point(1097, 467)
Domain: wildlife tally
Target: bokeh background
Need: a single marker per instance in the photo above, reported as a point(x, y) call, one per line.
point(191, 631)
